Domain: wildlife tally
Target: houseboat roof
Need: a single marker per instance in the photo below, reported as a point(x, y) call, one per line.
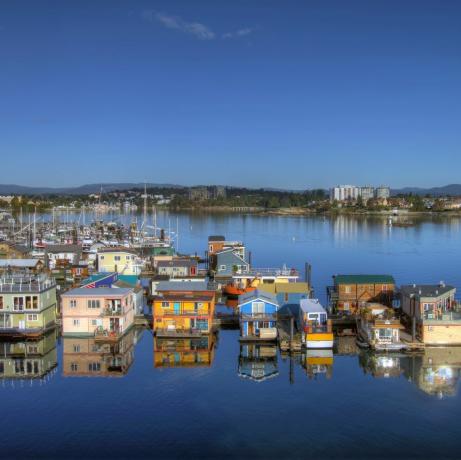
point(311, 306)
point(97, 292)
point(179, 262)
point(193, 296)
point(59, 248)
point(426, 290)
point(216, 238)
point(258, 294)
point(19, 263)
point(364, 279)
point(183, 286)
point(289, 288)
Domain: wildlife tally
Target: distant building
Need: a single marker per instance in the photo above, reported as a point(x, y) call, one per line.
point(383, 192)
point(344, 193)
point(367, 193)
point(198, 194)
point(218, 191)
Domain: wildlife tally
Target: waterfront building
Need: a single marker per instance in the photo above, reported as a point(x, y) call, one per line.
point(199, 194)
point(258, 316)
point(349, 292)
point(383, 192)
point(230, 262)
point(184, 352)
point(30, 359)
point(103, 313)
point(344, 193)
point(218, 243)
point(379, 328)
point(183, 309)
point(27, 305)
point(10, 250)
point(24, 266)
point(316, 328)
point(120, 260)
point(433, 310)
point(178, 267)
point(367, 193)
point(87, 357)
point(258, 361)
point(62, 255)
point(287, 293)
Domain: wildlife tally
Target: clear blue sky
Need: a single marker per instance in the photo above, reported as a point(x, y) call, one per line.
point(295, 94)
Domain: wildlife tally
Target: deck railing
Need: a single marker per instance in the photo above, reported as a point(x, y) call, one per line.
point(258, 316)
point(182, 312)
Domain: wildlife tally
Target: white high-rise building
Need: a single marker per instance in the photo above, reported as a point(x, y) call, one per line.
point(383, 192)
point(344, 193)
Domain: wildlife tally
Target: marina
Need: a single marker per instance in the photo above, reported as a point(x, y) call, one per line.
point(145, 312)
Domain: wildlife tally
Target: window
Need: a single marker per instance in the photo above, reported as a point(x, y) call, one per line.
point(117, 258)
point(165, 304)
point(222, 267)
point(94, 322)
point(94, 303)
point(347, 289)
point(76, 322)
point(73, 303)
point(34, 302)
point(18, 303)
point(76, 348)
point(74, 367)
point(94, 367)
point(28, 302)
point(258, 307)
point(101, 257)
point(32, 317)
point(128, 257)
point(32, 348)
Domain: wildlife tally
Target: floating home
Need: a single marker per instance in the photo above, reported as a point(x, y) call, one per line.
point(27, 305)
point(121, 260)
point(379, 329)
point(258, 316)
point(103, 313)
point(434, 313)
point(349, 292)
point(316, 327)
point(183, 309)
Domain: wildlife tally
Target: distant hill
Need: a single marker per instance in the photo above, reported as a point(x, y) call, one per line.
point(12, 189)
point(452, 190)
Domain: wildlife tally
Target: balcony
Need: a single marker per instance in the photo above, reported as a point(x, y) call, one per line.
point(258, 317)
point(108, 334)
point(179, 332)
point(109, 311)
point(202, 312)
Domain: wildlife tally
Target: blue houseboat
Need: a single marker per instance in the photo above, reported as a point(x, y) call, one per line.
point(258, 316)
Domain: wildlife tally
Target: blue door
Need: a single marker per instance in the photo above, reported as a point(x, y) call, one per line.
point(177, 308)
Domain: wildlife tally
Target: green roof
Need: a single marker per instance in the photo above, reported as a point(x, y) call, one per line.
point(132, 280)
point(364, 279)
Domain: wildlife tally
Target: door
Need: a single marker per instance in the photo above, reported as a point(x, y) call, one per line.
point(22, 324)
point(177, 308)
point(114, 324)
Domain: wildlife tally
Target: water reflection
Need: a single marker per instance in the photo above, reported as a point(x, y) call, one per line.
point(381, 365)
point(84, 357)
point(184, 352)
point(258, 362)
point(436, 372)
point(318, 363)
point(30, 359)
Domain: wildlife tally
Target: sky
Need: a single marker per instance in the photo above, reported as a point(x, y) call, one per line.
point(289, 94)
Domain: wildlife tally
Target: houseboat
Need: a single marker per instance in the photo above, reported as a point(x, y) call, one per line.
point(258, 316)
point(250, 280)
point(316, 327)
point(379, 329)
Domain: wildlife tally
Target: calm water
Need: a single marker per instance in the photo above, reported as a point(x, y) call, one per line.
point(214, 399)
